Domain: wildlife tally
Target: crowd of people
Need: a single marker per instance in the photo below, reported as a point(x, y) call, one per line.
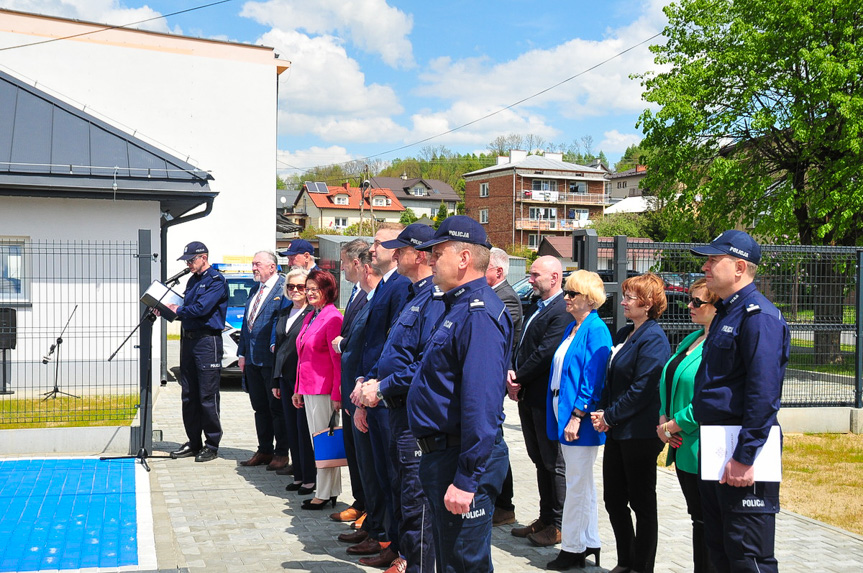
point(431, 342)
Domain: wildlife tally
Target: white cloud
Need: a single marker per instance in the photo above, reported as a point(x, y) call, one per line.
point(372, 25)
point(615, 142)
point(294, 162)
point(101, 11)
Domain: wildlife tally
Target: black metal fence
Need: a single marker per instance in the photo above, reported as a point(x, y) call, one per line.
point(815, 287)
point(66, 307)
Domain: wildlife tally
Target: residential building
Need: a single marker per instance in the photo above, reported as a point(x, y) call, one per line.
point(626, 183)
point(422, 196)
point(338, 207)
point(561, 248)
point(527, 197)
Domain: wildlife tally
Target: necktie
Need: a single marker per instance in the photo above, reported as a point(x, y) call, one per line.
point(253, 313)
point(353, 294)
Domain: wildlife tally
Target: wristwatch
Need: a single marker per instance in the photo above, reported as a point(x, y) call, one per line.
point(577, 417)
point(665, 430)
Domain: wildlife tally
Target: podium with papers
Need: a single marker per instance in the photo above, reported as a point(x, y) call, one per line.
point(158, 296)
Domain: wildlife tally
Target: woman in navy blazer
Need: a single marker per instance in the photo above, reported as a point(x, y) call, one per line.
point(627, 415)
point(576, 383)
point(319, 374)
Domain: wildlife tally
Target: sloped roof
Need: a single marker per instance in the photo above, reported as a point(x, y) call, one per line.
point(438, 190)
point(638, 204)
point(538, 162)
point(327, 200)
point(633, 172)
point(49, 148)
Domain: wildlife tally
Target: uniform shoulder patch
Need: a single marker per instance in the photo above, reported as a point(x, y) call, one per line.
point(477, 304)
point(752, 308)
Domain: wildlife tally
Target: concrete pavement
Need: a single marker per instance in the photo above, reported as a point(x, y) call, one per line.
point(219, 516)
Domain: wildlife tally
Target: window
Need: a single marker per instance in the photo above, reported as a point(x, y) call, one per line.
point(341, 222)
point(14, 287)
point(483, 215)
point(379, 201)
point(419, 191)
point(340, 200)
point(578, 187)
point(483, 189)
point(621, 184)
point(542, 213)
point(543, 185)
point(533, 241)
point(579, 214)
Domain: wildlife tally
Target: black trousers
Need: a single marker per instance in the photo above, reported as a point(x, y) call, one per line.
point(689, 486)
point(546, 456)
point(269, 416)
point(200, 374)
point(629, 481)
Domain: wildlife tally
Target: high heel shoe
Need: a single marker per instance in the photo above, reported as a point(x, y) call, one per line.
point(593, 551)
point(566, 560)
point(310, 504)
point(302, 490)
point(295, 486)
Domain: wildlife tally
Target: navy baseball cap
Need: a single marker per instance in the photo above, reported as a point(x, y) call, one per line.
point(192, 250)
point(458, 228)
point(413, 235)
point(735, 243)
point(298, 247)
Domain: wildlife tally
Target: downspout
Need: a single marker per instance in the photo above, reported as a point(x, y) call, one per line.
point(163, 271)
point(513, 206)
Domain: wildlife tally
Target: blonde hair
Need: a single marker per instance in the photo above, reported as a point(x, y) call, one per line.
point(588, 284)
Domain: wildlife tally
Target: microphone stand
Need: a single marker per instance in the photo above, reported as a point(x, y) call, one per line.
point(150, 316)
point(56, 347)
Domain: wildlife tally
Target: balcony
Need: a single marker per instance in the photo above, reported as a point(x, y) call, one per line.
point(550, 224)
point(564, 197)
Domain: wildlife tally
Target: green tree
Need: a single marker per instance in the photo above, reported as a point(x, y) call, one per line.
point(408, 217)
point(280, 183)
point(760, 123)
point(441, 215)
point(629, 224)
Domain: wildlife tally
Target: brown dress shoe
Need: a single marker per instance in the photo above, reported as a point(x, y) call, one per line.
point(502, 517)
point(258, 459)
point(350, 514)
point(368, 547)
point(398, 566)
point(277, 463)
point(354, 536)
point(545, 538)
point(534, 527)
point(382, 559)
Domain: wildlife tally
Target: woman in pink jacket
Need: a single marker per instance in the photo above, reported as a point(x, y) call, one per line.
point(319, 372)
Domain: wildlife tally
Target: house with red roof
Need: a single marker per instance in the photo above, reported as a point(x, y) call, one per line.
point(338, 207)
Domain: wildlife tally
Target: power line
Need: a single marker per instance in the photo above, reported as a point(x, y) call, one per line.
point(117, 27)
point(500, 110)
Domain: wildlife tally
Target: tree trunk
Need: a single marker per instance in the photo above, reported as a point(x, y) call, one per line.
point(828, 298)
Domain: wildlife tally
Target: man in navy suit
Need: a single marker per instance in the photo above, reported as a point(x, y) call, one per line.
point(527, 382)
point(256, 362)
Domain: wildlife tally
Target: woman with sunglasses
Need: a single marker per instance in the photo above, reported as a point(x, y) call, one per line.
point(677, 427)
point(577, 379)
point(284, 341)
point(319, 374)
point(627, 415)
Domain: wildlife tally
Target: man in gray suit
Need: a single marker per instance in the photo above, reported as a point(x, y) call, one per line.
point(256, 362)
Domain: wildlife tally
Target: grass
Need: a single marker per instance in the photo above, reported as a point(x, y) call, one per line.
point(807, 362)
point(64, 412)
point(822, 477)
point(849, 314)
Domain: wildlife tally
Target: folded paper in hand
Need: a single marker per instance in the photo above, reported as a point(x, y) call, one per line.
point(718, 444)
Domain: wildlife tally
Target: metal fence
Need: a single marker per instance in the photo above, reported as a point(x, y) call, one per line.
point(66, 307)
point(816, 288)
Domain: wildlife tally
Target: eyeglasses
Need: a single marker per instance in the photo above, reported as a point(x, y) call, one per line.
point(571, 293)
point(312, 290)
point(193, 259)
point(697, 302)
point(298, 288)
point(630, 298)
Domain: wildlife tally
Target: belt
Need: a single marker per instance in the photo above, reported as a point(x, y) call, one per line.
point(399, 401)
point(203, 333)
point(555, 392)
point(437, 442)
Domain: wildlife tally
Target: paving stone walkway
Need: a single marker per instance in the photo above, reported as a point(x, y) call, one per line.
point(222, 517)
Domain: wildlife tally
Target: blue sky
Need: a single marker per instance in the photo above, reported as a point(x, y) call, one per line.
point(371, 76)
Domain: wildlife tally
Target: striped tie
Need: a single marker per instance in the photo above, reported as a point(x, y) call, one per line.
point(253, 314)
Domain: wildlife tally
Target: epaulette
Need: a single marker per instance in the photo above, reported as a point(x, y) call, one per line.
point(477, 304)
point(437, 293)
point(752, 308)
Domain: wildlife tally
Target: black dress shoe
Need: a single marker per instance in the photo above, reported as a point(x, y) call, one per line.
point(206, 455)
point(310, 504)
point(293, 486)
point(566, 560)
point(305, 490)
point(184, 451)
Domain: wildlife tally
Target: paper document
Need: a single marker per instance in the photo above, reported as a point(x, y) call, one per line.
point(718, 444)
point(158, 295)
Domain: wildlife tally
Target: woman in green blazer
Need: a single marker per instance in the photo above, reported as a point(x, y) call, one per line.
point(677, 427)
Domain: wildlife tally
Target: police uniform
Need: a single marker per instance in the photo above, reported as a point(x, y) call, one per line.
point(205, 304)
point(455, 410)
point(395, 371)
point(739, 382)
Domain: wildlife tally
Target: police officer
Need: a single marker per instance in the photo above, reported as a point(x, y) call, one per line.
point(455, 401)
point(390, 380)
point(739, 383)
point(205, 303)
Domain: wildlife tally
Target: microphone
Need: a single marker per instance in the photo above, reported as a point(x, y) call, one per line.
point(47, 358)
point(178, 276)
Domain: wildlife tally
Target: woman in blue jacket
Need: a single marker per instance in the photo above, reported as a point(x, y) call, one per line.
point(627, 415)
point(576, 382)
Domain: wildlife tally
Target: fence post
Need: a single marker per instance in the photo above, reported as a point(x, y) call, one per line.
point(618, 275)
point(145, 350)
point(584, 249)
point(858, 348)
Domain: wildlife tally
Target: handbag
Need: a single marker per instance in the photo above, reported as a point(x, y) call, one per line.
point(329, 445)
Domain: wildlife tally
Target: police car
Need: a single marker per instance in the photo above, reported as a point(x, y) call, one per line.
point(240, 282)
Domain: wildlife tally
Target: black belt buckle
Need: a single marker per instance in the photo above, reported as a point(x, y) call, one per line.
point(437, 442)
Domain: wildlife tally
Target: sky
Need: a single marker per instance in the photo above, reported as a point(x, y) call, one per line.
point(386, 79)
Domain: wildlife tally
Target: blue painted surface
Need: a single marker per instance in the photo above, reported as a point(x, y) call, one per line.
point(67, 514)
